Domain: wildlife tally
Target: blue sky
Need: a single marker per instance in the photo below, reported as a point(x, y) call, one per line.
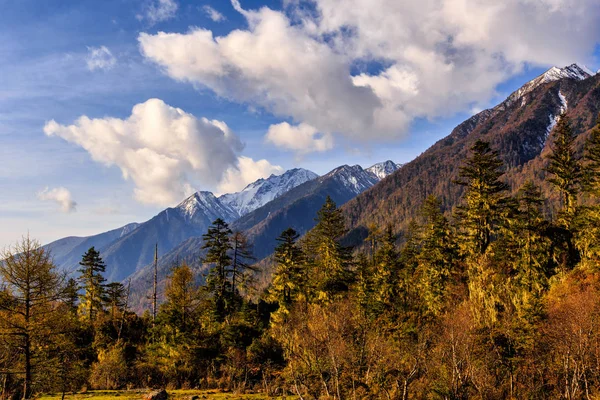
point(298, 83)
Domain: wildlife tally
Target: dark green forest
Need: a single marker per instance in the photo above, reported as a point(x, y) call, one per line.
point(498, 298)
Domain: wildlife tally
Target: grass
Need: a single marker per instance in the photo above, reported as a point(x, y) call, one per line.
point(173, 394)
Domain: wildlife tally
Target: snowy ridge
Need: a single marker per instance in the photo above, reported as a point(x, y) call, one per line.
point(383, 169)
point(259, 193)
point(573, 71)
point(205, 204)
point(353, 177)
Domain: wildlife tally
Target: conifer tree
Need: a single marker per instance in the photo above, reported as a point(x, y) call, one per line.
point(591, 170)
point(241, 261)
point(386, 271)
point(437, 256)
point(330, 260)
point(587, 222)
point(218, 245)
point(182, 298)
point(564, 169)
point(288, 282)
point(530, 248)
point(72, 294)
point(92, 283)
point(115, 298)
point(484, 198)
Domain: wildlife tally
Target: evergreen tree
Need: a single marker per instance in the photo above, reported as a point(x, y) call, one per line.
point(288, 282)
point(115, 298)
point(484, 199)
point(587, 220)
point(183, 298)
point(591, 171)
point(218, 245)
point(530, 249)
point(564, 169)
point(437, 256)
point(330, 260)
point(92, 283)
point(241, 261)
point(385, 279)
point(72, 294)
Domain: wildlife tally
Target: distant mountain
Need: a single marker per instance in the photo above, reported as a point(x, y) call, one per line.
point(297, 208)
point(67, 252)
point(259, 193)
point(384, 169)
point(167, 229)
point(518, 128)
point(127, 249)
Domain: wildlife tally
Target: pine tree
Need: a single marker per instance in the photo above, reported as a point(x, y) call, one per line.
point(241, 261)
point(530, 248)
point(115, 299)
point(92, 282)
point(564, 169)
point(587, 220)
point(72, 294)
point(289, 279)
point(591, 170)
point(385, 279)
point(437, 256)
point(218, 245)
point(484, 199)
point(330, 260)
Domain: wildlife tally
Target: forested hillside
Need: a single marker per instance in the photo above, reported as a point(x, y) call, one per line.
point(518, 128)
point(500, 300)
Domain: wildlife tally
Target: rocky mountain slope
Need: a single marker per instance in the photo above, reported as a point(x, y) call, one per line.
point(518, 128)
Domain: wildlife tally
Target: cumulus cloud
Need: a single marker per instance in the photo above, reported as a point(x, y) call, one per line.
point(302, 138)
point(159, 10)
point(165, 151)
point(60, 196)
point(247, 171)
point(213, 14)
point(415, 59)
point(100, 58)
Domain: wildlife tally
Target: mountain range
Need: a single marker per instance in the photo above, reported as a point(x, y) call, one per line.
point(129, 249)
point(384, 194)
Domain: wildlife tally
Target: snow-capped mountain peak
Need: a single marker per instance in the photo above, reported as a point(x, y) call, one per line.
point(572, 71)
point(353, 177)
point(383, 169)
point(262, 191)
point(205, 204)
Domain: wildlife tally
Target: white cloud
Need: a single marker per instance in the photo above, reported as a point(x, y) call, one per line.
point(165, 151)
point(213, 14)
point(425, 59)
point(60, 196)
point(246, 172)
point(302, 138)
point(100, 58)
point(159, 10)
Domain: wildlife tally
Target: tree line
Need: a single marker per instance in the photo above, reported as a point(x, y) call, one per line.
point(495, 299)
